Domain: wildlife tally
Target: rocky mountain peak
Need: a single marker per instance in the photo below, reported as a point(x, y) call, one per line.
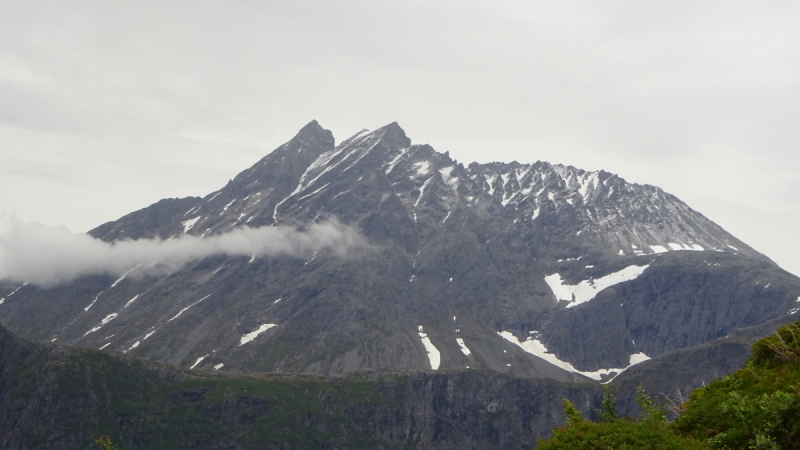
point(497, 265)
point(299, 180)
point(312, 136)
point(394, 135)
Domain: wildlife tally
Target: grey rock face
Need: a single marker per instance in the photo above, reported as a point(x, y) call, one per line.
point(684, 299)
point(583, 264)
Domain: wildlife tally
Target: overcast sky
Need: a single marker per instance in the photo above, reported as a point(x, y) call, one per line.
point(107, 107)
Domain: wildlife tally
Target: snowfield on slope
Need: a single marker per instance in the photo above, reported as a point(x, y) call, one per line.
point(253, 334)
point(433, 353)
point(588, 289)
point(535, 347)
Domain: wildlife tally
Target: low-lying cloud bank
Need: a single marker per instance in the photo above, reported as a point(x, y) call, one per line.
point(47, 256)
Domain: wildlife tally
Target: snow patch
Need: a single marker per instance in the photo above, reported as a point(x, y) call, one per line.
point(109, 318)
point(588, 289)
point(585, 183)
point(309, 195)
point(199, 360)
point(448, 178)
point(422, 192)
point(12, 293)
point(252, 335)
point(130, 301)
point(433, 354)
point(104, 346)
point(219, 366)
point(535, 213)
point(123, 276)
point(105, 320)
point(136, 344)
point(148, 335)
point(658, 249)
point(188, 224)
point(677, 247)
point(184, 309)
point(636, 358)
point(535, 347)
point(510, 196)
point(394, 162)
point(422, 168)
point(463, 346)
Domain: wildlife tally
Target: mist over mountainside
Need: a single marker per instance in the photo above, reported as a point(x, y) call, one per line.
point(533, 270)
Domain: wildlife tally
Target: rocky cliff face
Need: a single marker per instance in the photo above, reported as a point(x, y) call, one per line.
point(61, 398)
point(529, 270)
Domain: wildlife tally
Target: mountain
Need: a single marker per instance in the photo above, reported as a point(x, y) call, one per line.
point(529, 270)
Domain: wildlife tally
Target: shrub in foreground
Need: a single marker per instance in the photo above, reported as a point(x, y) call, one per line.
point(650, 432)
point(756, 407)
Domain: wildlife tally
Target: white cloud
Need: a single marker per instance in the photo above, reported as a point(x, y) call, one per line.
point(45, 255)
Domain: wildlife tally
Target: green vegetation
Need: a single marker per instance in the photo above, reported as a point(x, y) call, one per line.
point(105, 443)
point(756, 407)
point(651, 431)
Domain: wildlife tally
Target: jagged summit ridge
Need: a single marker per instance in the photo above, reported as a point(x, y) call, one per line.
point(297, 182)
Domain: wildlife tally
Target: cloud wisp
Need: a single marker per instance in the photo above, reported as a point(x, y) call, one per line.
point(47, 256)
